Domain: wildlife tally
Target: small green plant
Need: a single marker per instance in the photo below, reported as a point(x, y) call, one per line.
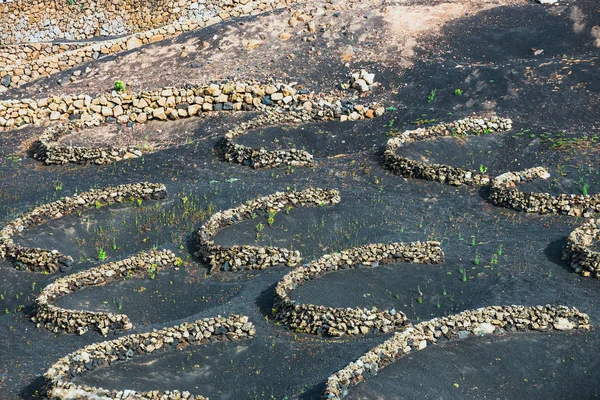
point(476, 260)
point(420, 298)
point(101, 254)
point(259, 229)
point(152, 271)
point(98, 204)
point(271, 216)
point(473, 242)
point(458, 92)
point(500, 250)
point(58, 186)
point(464, 274)
point(119, 86)
point(584, 189)
point(178, 261)
point(482, 169)
point(184, 199)
point(139, 202)
point(431, 96)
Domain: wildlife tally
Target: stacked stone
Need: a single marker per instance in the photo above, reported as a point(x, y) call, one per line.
point(176, 103)
point(57, 319)
point(50, 151)
point(331, 321)
point(236, 258)
point(40, 260)
point(43, 20)
point(583, 259)
point(504, 192)
point(209, 330)
point(483, 321)
point(456, 176)
point(19, 54)
point(262, 158)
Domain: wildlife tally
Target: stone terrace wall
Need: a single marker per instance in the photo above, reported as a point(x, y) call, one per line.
point(408, 168)
point(175, 103)
point(57, 319)
point(251, 257)
point(504, 193)
point(44, 20)
point(59, 376)
point(580, 249)
point(41, 260)
point(331, 321)
point(483, 321)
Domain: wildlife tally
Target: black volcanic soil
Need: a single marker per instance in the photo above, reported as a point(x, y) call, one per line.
point(507, 257)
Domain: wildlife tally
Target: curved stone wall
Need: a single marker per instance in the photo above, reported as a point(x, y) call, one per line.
point(57, 319)
point(98, 355)
point(45, 20)
point(41, 260)
point(483, 321)
point(504, 192)
point(236, 257)
point(409, 168)
point(580, 249)
point(331, 321)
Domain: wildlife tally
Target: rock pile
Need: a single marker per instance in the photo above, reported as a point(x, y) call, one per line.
point(504, 192)
point(579, 249)
point(409, 168)
point(483, 321)
point(57, 319)
point(236, 257)
point(331, 321)
point(60, 375)
point(40, 260)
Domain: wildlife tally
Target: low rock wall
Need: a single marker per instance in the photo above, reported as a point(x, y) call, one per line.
point(175, 103)
point(45, 20)
point(505, 193)
point(483, 321)
point(59, 377)
point(236, 257)
point(50, 261)
point(331, 321)
point(409, 168)
point(580, 249)
point(57, 319)
point(278, 103)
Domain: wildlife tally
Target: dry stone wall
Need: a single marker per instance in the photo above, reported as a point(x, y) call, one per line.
point(175, 103)
point(580, 249)
point(45, 20)
point(483, 321)
point(57, 319)
point(504, 192)
point(409, 168)
point(50, 261)
point(59, 377)
point(236, 257)
point(331, 321)
point(278, 102)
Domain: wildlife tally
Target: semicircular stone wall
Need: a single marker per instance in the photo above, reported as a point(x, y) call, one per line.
point(50, 261)
point(332, 321)
point(237, 257)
